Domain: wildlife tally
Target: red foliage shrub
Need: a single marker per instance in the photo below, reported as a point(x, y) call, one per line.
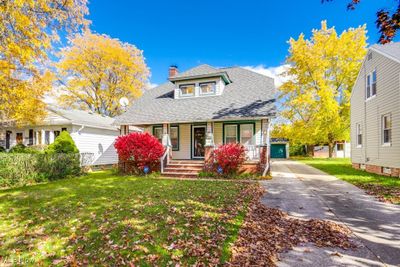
point(229, 158)
point(140, 149)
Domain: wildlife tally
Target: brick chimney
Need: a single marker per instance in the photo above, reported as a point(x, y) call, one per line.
point(173, 70)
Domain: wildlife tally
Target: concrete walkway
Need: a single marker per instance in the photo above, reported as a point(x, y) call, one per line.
point(306, 192)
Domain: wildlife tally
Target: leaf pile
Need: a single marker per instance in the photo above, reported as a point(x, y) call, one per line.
point(388, 194)
point(268, 231)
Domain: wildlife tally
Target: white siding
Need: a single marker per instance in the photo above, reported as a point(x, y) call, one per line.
point(184, 143)
point(100, 142)
point(368, 113)
point(219, 87)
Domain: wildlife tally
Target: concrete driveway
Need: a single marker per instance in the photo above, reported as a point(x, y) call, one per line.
point(306, 192)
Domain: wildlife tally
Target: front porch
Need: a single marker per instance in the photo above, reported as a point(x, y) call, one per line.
point(194, 141)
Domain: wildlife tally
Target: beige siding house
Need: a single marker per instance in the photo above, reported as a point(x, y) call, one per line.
point(202, 108)
point(375, 112)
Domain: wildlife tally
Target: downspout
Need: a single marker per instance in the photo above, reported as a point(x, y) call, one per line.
point(80, 129)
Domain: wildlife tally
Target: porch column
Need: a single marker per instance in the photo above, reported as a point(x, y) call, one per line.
point(209, 144)
point(124, 129)
point(43, 137)
point(166, 140)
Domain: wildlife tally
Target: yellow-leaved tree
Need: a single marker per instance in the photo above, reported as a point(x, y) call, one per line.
point(28, 30)
point(316, 100)
point(96, 71)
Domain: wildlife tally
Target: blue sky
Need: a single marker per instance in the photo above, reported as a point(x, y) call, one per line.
point(221, 32)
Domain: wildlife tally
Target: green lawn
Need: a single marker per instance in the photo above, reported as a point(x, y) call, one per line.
point(105, 219)
point(387, 188)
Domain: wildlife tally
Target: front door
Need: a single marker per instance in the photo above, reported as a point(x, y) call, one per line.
point(199, 140)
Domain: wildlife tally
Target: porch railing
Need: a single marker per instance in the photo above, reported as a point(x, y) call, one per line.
point(164, 160)
point(252, 152)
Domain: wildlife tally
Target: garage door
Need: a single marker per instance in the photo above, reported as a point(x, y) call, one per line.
point(278, 151)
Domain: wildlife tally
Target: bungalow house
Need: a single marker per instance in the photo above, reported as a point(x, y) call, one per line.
point(94, 135)
point(375, 112)
point(199, 109)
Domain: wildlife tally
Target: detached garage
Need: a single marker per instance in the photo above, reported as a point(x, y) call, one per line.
point(279, 148)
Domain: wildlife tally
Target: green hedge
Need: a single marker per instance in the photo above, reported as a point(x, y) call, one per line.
point(18, 169)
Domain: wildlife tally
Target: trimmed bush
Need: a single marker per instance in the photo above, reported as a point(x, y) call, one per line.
point(18, 148)
point(21, 148)
point(139, 150)
point(18, 169)
point(227, 159)
point(62, 144)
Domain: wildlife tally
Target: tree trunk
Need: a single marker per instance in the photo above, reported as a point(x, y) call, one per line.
point(331, 144)
point(310, 150)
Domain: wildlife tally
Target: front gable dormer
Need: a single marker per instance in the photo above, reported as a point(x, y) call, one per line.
point(202, 81)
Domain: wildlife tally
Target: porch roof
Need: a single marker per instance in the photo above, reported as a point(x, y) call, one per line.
point(249, 95)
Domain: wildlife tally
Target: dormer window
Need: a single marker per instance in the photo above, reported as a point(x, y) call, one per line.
point(187, 89)
point(207, 88)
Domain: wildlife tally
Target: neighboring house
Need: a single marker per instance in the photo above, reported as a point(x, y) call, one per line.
point(375, 112)
point(94, 135)
point(202, 108)
point(341, 149)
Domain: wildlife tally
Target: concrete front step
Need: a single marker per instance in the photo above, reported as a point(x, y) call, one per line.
point(192, 162)
point(179, 174)
point(181, 170)
point(186, 166)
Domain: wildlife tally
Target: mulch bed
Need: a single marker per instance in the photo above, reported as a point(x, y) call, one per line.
point(382, 193)
point(268, 231)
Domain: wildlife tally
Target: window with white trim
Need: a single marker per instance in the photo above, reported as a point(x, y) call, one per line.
point(158, 132)
point(246, 134)
point(359, 134)
point(231, 133)
point(386, 129)
point(207, 88)
point(187, 89)
point(371, 85)
point(174, 135)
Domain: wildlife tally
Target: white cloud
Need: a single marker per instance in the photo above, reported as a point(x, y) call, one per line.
point(273, 72)
point(151, 85)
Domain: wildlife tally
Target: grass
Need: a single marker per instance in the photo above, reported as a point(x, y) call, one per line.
point(384, 187)
point(105, 219)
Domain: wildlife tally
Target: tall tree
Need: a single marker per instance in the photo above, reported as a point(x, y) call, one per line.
point(323, 71)
point(387, 20)
point(97, 71)
point(28, 29)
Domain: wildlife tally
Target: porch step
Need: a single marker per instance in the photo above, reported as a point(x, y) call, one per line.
point(187, 162)
point(179, 174)
point(183, 168)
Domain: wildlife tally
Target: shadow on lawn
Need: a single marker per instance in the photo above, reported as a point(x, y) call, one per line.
point(102, 219)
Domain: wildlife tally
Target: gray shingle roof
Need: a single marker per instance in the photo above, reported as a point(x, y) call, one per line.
point(249, 95)
point(81, 117)
point(390, 49)
point(201, 71)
